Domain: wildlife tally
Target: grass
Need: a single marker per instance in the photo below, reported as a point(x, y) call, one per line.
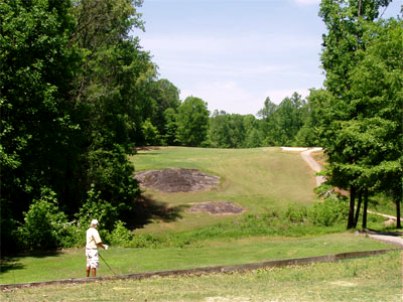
point(71, 263)
point(252, 178)
point(261, 180)
point(376, 278)
point(265, 173)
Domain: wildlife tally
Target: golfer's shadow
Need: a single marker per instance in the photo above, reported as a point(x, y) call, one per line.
point(147, 209)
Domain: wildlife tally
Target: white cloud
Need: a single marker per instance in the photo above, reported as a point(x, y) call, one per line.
point(277, 95)
point(232, 97)
point(226, 95)
point(307, 2)
point(230, 45)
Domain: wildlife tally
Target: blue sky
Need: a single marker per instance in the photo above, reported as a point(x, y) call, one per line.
point(235, 53)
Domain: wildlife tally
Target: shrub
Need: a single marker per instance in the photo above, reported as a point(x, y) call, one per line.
point(120, 235)
point(111, 174)
point(146, 241)
point(328, 213)
point(45, 226)
point(296, 214)
point(99, 209)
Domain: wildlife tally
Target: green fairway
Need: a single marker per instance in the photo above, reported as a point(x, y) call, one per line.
point(71, 263)
point(376, 278)
point(255, 179)
point(262, 181)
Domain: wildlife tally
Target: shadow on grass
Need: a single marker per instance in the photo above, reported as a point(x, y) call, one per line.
point(147, 209)
point(9, 263)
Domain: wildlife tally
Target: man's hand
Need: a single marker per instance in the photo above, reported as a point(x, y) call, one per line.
point(106, 246)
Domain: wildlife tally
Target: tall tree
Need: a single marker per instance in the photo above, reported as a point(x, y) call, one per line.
point(37, 127)
point(377, 94)
point(164, 95)
point(343, 48)
point(281, 123)
point(112, 92)
point(192, 121)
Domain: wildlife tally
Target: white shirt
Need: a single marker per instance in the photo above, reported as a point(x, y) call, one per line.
point(93, 238)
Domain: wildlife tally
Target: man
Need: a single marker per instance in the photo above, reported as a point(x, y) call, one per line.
point(91, 249)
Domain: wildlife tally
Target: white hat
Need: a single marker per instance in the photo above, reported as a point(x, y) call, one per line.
point(94, 222)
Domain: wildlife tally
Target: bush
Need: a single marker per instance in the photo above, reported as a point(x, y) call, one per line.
point(148, 241)
point(96, 208)
point(120, 235)
point(45, 226)
point(328, 213)
point(111, 174)
point(296, 214)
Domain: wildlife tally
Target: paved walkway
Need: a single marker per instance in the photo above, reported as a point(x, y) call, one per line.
point(315, 166)
point(394, 239)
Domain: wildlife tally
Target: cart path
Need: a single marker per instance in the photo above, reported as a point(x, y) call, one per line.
point(315, 166)
point(306, 154)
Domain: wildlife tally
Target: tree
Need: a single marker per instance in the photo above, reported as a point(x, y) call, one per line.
point(112, 92)
point(317, 115)
point(74, 88)
point(253, 134)
point(219, 130)
point(37, 114)
point(377, 95)
point(171, 127)
point(164, 95)
point(192, 121)
point(282, 122)
point(347, 134)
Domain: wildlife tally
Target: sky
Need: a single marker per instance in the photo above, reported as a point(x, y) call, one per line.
point(234, 54)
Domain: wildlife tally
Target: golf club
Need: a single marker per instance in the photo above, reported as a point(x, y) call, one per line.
point(103, 259)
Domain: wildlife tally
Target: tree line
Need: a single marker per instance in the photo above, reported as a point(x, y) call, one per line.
point(78, 94)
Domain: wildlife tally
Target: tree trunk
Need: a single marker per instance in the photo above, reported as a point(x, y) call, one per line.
point(364, 213)
point(350, 223)
point(357, 211)
point(398, 222)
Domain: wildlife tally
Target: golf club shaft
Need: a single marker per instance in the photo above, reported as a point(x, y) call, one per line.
point(103, 259)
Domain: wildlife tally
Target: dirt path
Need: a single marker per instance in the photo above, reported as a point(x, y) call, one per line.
point(315, 166)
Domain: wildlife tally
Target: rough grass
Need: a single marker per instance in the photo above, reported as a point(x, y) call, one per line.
point(252, 178)
point(376, 278)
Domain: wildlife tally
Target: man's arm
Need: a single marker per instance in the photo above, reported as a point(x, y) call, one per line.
point(103, 245)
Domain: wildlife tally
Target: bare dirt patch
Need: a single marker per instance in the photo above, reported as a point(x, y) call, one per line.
point(217, 208)
point(177, 180)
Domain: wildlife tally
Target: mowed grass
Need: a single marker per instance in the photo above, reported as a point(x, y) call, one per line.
point(377, 278)
point(254, 179)
point(257, 179)
point(71, 263)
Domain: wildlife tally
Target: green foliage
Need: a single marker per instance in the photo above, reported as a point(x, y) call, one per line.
point(328, 212)
point(165, 97)
point(151, 135)
point(37, 125)
point(361, 127)
point(234, 131)
point(281, 123)
point(120, 236)
point(296, 214)
point(96, 208)
point(170, 127)
point(112, 177)
point(192, 121)
point(45, 226)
